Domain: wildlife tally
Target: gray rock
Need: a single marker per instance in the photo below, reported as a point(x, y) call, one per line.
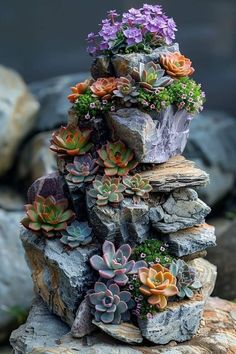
point(180, 320)
point(61, 278)
point(16, 288)
point(52, 184)
point(123, 62)
point(224, 257)
point(82, 324)
point(52, 95)
point(36, 159)
point(176, 173)
point(182, 209)
point(153, 139)
point(17, 115)
point(102, 67)
point(217, 154)
point(191, 240)
point(125, 332)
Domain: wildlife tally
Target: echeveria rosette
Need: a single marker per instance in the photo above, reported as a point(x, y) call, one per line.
point(137, 187)
point(126, 90)
point(109, 304)
point(141, 29)
point(116, 158)
point(107, 191)
point(79, 90)
point(187, 281)
point(47, 215)
point(77, 234)
point(114, 264)
point(71, 140)
point(82, 170)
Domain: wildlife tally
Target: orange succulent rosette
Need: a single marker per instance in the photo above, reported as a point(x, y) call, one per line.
point(176, 65)
point(104, 87)
point(158, 285)
point(79, 90)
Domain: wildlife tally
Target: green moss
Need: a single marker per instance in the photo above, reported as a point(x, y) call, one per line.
point(152, 251)
point(155, 101)
point(88, 106)
point(187, 94)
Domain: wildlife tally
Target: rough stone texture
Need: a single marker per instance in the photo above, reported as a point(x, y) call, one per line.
point(52, 184)
point(153, 139)
point(129, 223)
point(180, 321)
point(175, 173)
point(224, 257)
point(44, 333)
point(122, 62)
point(52, 95)
point(16, 288)
point(125, 332)
point(181, 210)
point(36, 159)
point(217, 154)
point(192, 240)
point(17, 115)
point(101, 67)
point(61, 278)
point(192, 256)
point(82, 324)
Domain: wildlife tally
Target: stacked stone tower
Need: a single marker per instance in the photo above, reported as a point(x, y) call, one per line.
point(121, 171)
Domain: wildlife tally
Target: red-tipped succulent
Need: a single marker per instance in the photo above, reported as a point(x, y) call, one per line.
point(47, 215)
point(71, 141)
point(116, 158)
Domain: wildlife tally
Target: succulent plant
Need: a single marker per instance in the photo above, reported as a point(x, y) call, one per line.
point(82, 170)
point(158, 285)
point(104, 87)
point(107, 191)
point(137, 187)
point(151, 76)
point(126, 90)
point(79, 90)
point(116, 158)
point(47, 215)
point(115, 264)
point(176, 65)
point(70, 140)
point(109, 303)
point(78, 233)
point(186, 277)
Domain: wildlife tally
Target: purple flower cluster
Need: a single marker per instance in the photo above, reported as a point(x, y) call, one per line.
point(134, 27)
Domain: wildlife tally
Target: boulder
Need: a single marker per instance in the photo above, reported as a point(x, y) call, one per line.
point(175, 173)
point(17, 115)
point(14, 274)
point(188, 241)
point(181, 320)
point(36, 160)
point(60, 277)
point(45, 333)
point(181, 210)
point(154, 139)
point(52, 95)
point(224, 257)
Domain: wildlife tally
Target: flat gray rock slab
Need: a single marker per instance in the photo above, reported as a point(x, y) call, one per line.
point(191, 240)
point(125, 332)
point(181, 210)
point(176, 173)
point(61, 277)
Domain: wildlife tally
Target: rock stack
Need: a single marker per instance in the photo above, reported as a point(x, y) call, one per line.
point(115, 239)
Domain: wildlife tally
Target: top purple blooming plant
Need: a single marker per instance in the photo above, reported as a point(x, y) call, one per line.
point(136, 30)
point(114, 264)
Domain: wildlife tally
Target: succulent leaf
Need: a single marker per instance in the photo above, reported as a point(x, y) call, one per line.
point(82, 170)
point(77, 234)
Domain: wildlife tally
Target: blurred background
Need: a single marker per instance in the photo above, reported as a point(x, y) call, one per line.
point(44, 42)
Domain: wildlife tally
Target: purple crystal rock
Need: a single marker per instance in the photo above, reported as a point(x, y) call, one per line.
point(156, 138)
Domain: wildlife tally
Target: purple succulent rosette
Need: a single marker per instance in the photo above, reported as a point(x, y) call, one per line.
point(114, 264)
point(110, 304)
point(147, 27)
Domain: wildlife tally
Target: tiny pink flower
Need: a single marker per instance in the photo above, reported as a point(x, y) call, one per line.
point(142, 255)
